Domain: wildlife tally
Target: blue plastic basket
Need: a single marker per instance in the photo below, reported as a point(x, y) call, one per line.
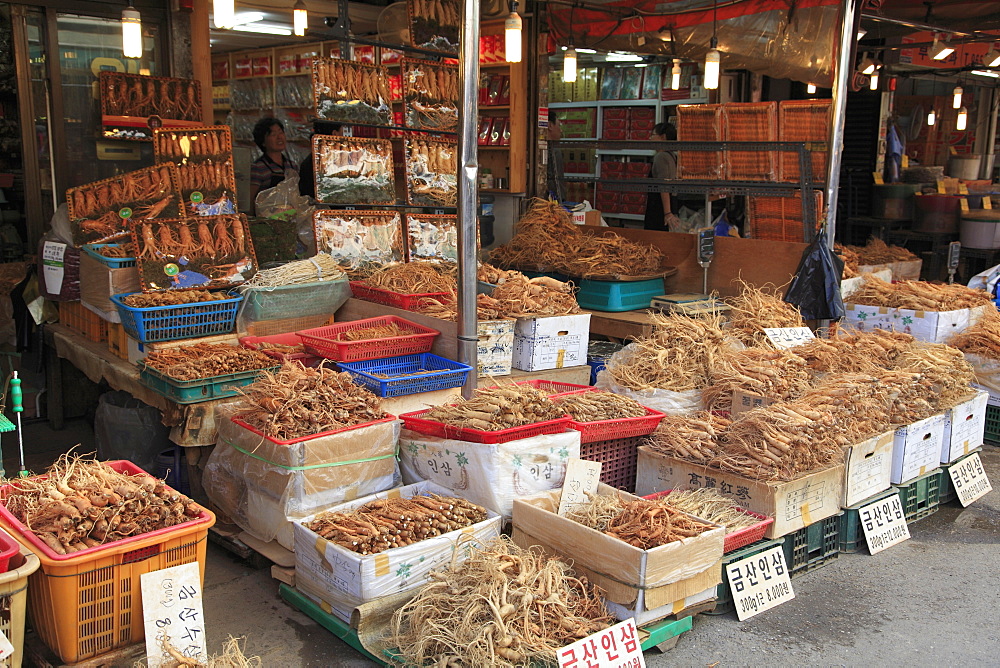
point(113, 262)
point(181, 321)
point(618, 295)
point(444, 374)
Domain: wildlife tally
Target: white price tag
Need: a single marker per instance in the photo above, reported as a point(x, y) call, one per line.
point(172, 614)
point(6, 648)
point(970, 479)
point(789, 337)
point(883, 523)
point(615, 647)
point(759, 583)
point(582, 478)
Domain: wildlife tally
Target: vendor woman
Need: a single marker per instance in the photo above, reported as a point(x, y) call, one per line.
point(273, 165)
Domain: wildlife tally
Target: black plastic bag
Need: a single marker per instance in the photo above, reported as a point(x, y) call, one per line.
point(815, 290)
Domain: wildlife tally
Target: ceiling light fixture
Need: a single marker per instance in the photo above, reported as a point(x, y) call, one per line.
point(131, 32)
point(224, 14)
point(512, 35)
point(675, 75)
point(861, 33)
point(963, 119)
point(986, 73)
point(992, 58)
point(956, 101)
point(873, 81)
point(712, 58)
point(300, 18)
point(262, 29)
point(941, 50)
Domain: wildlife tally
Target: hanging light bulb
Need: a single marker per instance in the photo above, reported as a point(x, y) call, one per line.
point(931, 117)
point(873, 81)
point(569, 65)
point(512, 35)
point(131, 32)
point(300, 18)
point(963, 119)
point(712, 64)
point(224, 14)
point(956, 101)
point(811, 89)
point(675, 75)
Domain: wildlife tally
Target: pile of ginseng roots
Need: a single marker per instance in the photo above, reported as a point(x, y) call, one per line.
point(642, 523)
point(496, 408)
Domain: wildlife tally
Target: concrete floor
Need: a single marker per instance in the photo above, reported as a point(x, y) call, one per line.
point(930, 600)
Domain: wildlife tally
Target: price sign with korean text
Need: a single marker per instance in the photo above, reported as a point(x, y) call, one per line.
point(969, 479)
point(789, 337)
point(884, 523)
point(759, 583)
point(614, 647)
point(582, 478)
point(172, 614)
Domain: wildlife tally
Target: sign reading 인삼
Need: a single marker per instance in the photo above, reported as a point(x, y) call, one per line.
point(617, 646)
point(884, 523)
point(172, 615)
point(784, 338)
point(969, 479)
point(580, 483)
point(759, 583)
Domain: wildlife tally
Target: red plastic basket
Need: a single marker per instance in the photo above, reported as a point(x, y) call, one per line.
point(700, 122)
point(407, 302)
point(618, 458)
point(323, 341)
point(287, 339)
point(606, 430)
point(551, 387)
point(387, 418)
point(742, 537)
point(414, 422)
point(8, 548)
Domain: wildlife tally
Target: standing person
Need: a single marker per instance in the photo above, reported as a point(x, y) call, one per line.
point(273, 165)
point(660, 214)
point(555, 184)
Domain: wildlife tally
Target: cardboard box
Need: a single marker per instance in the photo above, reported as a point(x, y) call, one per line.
point(551, 342)
point(495, 350)
point(793, 504)
point(747, 401)
point(867, 468)
point(964, 427)
point(99, 281)
point(851, 285)
point(643, 114)
point(931, 326)
point(916, 448)
point(900, 271)
point(334, 573)
point(616, 112)
point(640, 580)
point(592, 217)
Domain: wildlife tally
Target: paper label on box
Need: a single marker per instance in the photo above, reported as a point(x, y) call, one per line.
point(617, 646)
point(807, 498)
point(580, 485)
point(789, 337)
point(53, 254)
point(747, 401)
point(172, 614)
point(759, 582)
point(883, 523)
point(969, 479)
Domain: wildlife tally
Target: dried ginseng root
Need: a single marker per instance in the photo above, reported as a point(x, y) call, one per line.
point(206, 360)
point(596, 406)
point(775, 374)
point(695, 438)
point(171, 298)
point(641, 523)
point(756, 309)
point(709, 504)
point(496, 408)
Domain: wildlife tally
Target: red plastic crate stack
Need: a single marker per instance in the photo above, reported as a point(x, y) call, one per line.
point(778, 218)
point(806, 121)
point(750, 121)
point(700, 122)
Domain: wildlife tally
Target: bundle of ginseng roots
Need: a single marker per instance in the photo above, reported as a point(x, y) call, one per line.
point(517, 296)
point(756, 309)
point(642, 523)
point(297, 401)
point(709, 504)
point(546, 237)
point(981, 338)
point(80, 503)
point(383, 524)
point(594, 406)
point(171, 298)
point(411, 278)
point(775, 374)
point(496, 408)
point(917, 295)
point(504, 607)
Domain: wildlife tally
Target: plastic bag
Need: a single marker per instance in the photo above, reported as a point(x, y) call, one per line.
point(666, 401)
point(59, 261)
point(284, 202)
point(815, 290)
point(127, 428)
point(986, 280)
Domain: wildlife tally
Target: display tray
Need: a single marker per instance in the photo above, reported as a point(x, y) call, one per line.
point(742, 537)
point(605, 430)
point(431, 174)
point(178, 321)
point(407, 374)
point(430, 95)
point(345, 91)
point(434, 24)
point(112, 262)
point(358, 238)
point(324, 341)
point(353, 171)
point(407, 302)
point(200, 389)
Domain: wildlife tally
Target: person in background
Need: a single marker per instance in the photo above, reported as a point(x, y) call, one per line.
point(307, 182)
point(273, 165)
point(660, 214)
point(555, 184)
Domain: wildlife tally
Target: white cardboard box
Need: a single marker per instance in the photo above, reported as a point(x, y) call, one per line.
point(851, 285)
point(964, 427)
point(916, 448)
point(994, 396)
point(338, 575)
point(495, 350)
point(551, 342)
point(899, 271)
point(868, 468)
point(932, 326)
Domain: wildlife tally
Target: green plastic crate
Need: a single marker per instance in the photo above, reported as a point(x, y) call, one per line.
point(921, 496)
point(618, 295)
point(194, 391)
point(852, 536)
point(992, 424)
point(724, 602)
point(813, 546)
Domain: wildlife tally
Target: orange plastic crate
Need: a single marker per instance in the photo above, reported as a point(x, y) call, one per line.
point(778, 218)
point(751, 121)
point(700, 122)
point(808, 121)
point(83, 321)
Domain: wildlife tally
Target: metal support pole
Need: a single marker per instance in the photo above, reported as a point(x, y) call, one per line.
point(468, 204)
point(845, 66)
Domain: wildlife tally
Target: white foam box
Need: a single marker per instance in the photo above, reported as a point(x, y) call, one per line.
point(931, 326)
point(867, 468)
point(964, 427)
point(793, 504)
point(640, 581)
point(551, 342)
point(916, 448)
point(495, 349)
point(337, 575)
point(851, 285)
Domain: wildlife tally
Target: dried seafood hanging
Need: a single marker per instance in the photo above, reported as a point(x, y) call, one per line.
point(496, 408)
point(504, 607)
point(709, 504)
point(641, 523)
point(296, 401)
point(917, 295)
point(695, 438)
point(756, 309)
point(545, 236)
point(775, 374)
point(596, 406)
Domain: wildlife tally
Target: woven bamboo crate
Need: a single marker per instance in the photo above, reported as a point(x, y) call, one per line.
point(700, 122)
point(808, 121)
point(751, 121)
point(778, 218)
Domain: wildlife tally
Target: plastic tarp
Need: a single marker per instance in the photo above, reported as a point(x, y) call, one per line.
point(815, 290)
point(784, 39)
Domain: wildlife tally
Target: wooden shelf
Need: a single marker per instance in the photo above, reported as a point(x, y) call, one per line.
point(505, 147)
point(494, 107)
point(497, 66)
